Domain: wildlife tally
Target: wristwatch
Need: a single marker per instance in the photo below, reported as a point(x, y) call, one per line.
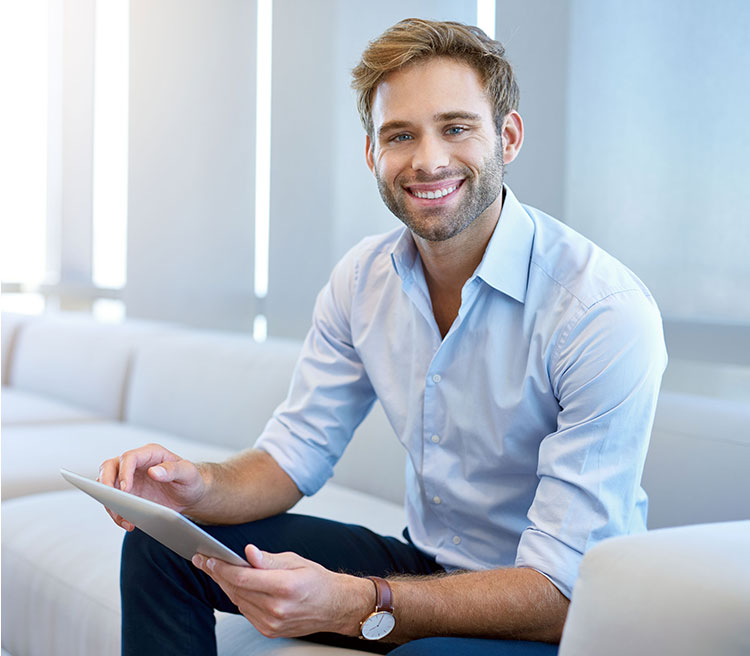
point(380, 622)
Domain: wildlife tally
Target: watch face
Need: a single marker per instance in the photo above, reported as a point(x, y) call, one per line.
point(378, 625)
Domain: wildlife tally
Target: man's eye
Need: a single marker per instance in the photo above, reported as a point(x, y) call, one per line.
point(456, 129)
point(401, 137)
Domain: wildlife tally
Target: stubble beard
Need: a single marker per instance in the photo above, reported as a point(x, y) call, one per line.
point(439, 223)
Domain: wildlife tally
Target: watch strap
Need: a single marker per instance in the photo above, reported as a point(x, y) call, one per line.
point(383, 594)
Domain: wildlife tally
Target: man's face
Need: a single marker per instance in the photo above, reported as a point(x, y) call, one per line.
point(435, 153)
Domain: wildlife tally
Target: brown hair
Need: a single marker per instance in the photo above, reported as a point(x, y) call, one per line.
point(415, 39)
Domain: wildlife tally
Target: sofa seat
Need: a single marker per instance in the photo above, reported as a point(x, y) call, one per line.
point(54, 579)
point(32, 455)
point(20, 407)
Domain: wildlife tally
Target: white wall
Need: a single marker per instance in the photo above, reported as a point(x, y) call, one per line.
point(192, 127)
point(535, 36)
point(658, 135)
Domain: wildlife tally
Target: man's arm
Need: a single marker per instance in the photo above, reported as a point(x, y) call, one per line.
point(285, 595)
point(247, 487)
point(514, 603)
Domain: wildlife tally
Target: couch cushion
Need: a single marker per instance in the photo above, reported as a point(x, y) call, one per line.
point(32, 455)
point(72, 590)
point(78, 360)
point(211, 387)
point(60, 590)
point(673, 591)
point(696, 469)
point(19, 407)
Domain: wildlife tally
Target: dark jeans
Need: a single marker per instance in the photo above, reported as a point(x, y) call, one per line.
point(167, 604)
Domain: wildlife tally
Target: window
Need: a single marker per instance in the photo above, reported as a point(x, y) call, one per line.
point(110, 183)
point(24, 56)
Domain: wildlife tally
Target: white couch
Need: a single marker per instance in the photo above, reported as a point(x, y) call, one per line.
point(76, 392)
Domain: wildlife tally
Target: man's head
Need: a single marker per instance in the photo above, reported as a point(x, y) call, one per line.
point(439, 126)
point(413, 40)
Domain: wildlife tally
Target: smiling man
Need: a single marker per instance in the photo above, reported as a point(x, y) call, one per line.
point(518, 364)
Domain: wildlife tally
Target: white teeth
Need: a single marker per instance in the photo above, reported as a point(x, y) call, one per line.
point(439, 193)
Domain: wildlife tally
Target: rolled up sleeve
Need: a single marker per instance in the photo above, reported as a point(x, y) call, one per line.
point(606, 370)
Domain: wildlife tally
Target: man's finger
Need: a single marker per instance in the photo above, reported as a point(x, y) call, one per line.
point(232, 577)
point(166, 472)
point(142, 458)
point(265, 560)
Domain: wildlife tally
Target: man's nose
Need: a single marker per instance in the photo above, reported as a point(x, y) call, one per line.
point(430, 155)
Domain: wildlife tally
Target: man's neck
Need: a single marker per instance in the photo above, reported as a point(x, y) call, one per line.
point(448, 264)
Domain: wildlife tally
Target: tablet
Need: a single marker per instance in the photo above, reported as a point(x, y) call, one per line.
point(167, 526)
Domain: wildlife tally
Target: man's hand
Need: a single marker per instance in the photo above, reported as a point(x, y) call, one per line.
point(285, 595)
point(156, 474)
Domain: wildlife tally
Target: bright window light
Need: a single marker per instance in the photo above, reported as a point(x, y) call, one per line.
point(486, 17)
point(263, 147)
point(108, 310)
point(110, 201)
point(23, 303)
point(24, 30)
point(260, 328)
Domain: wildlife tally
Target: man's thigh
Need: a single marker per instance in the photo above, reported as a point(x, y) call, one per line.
point(474, 647)
point(339, 547)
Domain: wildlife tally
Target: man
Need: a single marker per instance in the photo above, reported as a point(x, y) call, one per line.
point(517, 362)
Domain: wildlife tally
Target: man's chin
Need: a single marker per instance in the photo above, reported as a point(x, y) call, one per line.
point(434, 233)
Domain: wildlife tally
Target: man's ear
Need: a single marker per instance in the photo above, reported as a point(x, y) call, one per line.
point(512, 136)
point(369, 154)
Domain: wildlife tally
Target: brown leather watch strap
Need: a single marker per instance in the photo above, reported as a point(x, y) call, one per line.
point(383, 594)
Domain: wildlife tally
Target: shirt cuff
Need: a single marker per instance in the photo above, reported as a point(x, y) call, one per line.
point(550, 557)
point(307, 466)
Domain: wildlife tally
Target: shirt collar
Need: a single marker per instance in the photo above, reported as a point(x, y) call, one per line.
point(505, 265)
point(404, 255)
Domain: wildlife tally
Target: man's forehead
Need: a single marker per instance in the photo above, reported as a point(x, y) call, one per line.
point(438, 87)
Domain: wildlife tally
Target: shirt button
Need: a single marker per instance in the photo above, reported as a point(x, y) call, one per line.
point(436, 378)
point(437, 500)
point(435, 438)
point(456, 539)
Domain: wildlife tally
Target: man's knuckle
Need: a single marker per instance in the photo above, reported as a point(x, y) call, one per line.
point(274, 627)
point(267, 631)
point(277, 612)
point(284, 589)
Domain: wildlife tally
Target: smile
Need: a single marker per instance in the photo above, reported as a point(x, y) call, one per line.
point(432, 194)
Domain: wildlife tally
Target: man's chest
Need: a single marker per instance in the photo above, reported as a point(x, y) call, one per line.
point(486, 382)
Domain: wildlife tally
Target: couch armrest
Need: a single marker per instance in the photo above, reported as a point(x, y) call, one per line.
point(682, 590)
point(10, 325)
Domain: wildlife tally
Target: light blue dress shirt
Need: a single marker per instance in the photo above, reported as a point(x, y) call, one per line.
point(526, 427)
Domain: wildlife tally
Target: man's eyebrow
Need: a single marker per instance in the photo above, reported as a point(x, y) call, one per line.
point(456, 115)
point(393, 125)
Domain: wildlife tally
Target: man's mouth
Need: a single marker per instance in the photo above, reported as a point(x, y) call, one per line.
point(434, 191)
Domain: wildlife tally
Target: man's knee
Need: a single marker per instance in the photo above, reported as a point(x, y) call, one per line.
point(142, 556)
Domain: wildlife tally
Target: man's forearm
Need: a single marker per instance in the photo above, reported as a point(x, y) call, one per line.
point(515, 603)
point(247, 487)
